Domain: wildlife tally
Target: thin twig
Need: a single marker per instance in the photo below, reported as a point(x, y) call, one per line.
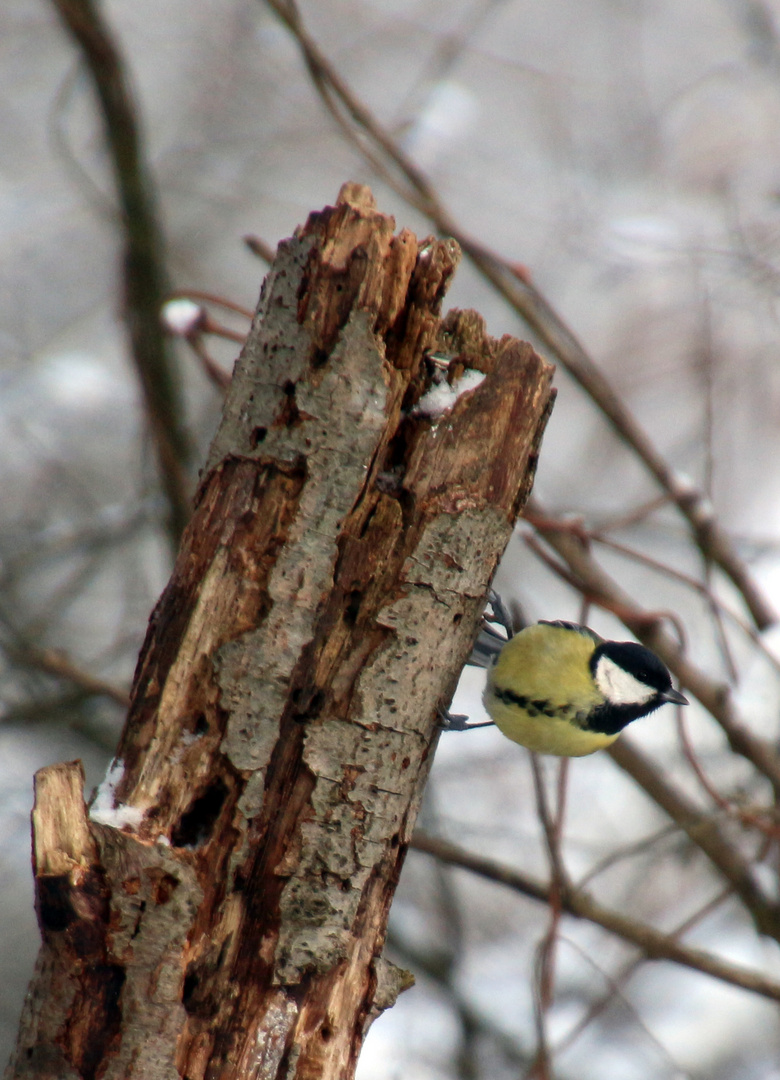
point(704, 589)
point(616, 982)
point(702, 831)
point(653, 943)
point(93, 194)
point(627, 613)
point(746, 817)
point(59, 664)
point(629, 851)
point(260, 248)
point(212, 298)
point(577, 528)
point(552, 826)
point(214, 371)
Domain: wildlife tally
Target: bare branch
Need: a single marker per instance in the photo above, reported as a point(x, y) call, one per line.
point(143, 267)
point(59, 664)
point(702, 830)
point(362, 128)
point(654, 944)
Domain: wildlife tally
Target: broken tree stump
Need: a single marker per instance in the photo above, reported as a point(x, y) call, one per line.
point(222, 913)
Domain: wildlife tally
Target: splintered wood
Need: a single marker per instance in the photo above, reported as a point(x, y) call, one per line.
point(284, 709)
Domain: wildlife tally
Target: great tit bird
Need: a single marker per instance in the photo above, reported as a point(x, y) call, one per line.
point(559, 688)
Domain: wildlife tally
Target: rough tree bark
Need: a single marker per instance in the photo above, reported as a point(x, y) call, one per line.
point(222, 911)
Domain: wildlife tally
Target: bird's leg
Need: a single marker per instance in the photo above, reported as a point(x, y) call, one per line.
point(501, 615)
point(493, 642)
point(458, 721)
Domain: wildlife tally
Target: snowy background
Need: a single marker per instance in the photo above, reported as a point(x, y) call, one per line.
point(627, 153)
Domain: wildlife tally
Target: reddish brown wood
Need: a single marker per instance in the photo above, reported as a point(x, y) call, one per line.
point(225, 915)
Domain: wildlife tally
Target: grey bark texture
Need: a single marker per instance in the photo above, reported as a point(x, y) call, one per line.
point(225, 916)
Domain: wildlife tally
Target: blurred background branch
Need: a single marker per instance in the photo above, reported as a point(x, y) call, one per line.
point(610, 173)
point(384, 155)
point(654, 945)
point(144, 275)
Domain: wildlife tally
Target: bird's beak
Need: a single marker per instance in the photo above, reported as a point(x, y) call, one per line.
point(674, 697)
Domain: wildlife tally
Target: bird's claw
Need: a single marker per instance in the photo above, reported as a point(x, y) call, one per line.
point(501, 614)
point(458, 722)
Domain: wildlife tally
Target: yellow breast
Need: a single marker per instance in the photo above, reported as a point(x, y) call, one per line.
point(546, 692)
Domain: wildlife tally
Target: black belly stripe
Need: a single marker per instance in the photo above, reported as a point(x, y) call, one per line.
point(605, 719)
point(533, 708)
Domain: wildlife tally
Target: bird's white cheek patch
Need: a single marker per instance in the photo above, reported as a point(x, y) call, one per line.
point(618, 686)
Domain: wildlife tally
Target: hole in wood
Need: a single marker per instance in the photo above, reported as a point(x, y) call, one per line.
point(309, 704)
point(55, 908)
point(197, 996)
point(196, 823)
point(353, 606)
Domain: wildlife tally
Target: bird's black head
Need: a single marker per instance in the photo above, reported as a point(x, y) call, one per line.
point(633, 682)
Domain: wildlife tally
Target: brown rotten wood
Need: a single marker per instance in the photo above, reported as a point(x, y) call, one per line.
point(223, 913)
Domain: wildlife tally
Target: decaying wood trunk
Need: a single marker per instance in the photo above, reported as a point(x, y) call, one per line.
point(221, 912)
